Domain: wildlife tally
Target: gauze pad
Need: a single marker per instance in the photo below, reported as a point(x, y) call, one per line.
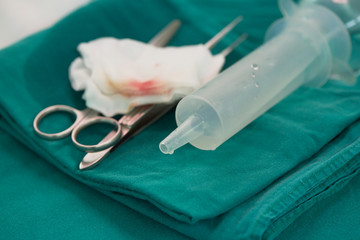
point(117, 75)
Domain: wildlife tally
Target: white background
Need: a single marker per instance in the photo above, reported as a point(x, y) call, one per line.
point(20, 18)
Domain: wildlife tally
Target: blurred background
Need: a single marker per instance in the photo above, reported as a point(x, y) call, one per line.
point(20, 18)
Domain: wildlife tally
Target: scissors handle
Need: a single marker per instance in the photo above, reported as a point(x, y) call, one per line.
point(52, 109)
point(110, 140)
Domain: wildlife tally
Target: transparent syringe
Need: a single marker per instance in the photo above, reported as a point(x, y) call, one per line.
point(303, 48)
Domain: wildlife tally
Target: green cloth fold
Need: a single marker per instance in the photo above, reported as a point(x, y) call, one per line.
point(254, 185)
point(40, 202)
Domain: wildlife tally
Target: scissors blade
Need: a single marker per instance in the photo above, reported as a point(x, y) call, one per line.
point(92, 159)
point(151, 115)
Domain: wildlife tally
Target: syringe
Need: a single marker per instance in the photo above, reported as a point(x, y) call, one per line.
point(304, 48)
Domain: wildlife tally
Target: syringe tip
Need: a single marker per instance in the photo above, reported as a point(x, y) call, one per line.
point(189, 130)
point(164, 148)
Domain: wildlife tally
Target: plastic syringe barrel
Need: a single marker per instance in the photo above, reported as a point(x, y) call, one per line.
point(301, 53)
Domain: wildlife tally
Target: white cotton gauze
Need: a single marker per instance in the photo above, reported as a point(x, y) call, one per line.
point(117, 75)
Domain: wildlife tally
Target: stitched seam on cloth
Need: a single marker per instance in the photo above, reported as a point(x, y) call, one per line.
point(266, 215)
point(262, 219)
point(272, 228)
point(280, 224)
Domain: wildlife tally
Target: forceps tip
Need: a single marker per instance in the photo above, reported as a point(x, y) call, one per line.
point(173, 25)
point(176, 22)
point(223, 32)
point(234, 45)
point(165, 35)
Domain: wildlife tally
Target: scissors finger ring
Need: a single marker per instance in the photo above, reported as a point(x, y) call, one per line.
point(110, 141)
point(52, 109)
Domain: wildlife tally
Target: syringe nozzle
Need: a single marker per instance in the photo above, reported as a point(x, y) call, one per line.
point(164, 147)
point(189, 130)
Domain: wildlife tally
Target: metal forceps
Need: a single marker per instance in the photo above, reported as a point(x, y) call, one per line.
point(134, 121)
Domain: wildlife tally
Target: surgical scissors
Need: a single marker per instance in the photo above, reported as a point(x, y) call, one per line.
point(131, 123)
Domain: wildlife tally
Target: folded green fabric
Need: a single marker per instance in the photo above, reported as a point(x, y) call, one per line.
point(40, 202)
point(253, 186)
point(336, 217)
